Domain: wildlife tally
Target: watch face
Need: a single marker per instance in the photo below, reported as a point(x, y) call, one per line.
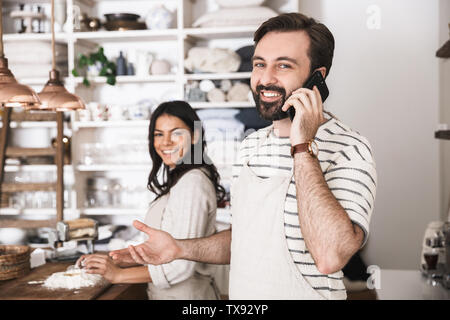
point(313, 148)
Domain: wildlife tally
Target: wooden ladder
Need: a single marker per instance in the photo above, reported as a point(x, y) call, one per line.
point(57, 153)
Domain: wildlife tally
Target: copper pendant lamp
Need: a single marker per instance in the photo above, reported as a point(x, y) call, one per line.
point(54, 96)
point(12, 93)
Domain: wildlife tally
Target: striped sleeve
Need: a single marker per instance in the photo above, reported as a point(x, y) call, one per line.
point(353, 183)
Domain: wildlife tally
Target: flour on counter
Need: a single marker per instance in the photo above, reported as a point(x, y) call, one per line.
point(72, 278)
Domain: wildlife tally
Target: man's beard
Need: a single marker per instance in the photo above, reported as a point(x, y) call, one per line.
point(270, 110)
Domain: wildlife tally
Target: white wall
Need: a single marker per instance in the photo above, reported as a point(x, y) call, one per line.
point(385, 84)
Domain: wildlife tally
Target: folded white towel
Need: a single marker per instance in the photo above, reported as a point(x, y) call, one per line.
point(212, 60)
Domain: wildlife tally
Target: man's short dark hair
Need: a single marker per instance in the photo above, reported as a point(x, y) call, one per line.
point(321, 47)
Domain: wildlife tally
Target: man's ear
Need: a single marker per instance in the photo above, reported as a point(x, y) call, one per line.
point(323, 71)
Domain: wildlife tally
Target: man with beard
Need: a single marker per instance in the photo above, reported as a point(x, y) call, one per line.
point(303, 191)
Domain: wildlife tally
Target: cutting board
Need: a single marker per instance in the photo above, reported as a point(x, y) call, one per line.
point(20, 289)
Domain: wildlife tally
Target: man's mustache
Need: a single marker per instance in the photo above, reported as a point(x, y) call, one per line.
point(270, 88)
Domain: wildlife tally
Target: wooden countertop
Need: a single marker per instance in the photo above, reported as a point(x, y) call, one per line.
point(20, 289)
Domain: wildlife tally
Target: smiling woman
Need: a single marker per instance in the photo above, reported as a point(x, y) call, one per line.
point(185, 207)
point(172, 139)
point(176, 139)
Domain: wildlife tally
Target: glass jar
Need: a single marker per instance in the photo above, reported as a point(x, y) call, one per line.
point(116, 193)
point(98, 192)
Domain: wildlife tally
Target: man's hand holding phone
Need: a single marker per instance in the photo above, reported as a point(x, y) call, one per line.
point(308, 114)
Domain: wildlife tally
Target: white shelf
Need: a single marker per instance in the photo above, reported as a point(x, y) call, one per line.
point(35, 168)
point(26, 1)
point(31, 124)
point(92, 2)
point(59, 37)
point(32, 81)
point(216, 105)
point(127, 36)
point(220, 33)
point(113, 211)
point(218, 76)
point(35, 212)
point(110, 124)
point(113, 167)
point(128, 79)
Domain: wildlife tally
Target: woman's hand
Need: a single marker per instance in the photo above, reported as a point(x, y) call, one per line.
point(101, 264)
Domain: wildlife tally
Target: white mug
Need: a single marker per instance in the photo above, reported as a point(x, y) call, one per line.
point(116, 113)
point(97, 111)
point(84, 115)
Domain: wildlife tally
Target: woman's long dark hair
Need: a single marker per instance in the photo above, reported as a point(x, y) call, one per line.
point(184, 112)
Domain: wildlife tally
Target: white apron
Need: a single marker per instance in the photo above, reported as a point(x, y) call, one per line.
point(197, 287)
point(261, 266)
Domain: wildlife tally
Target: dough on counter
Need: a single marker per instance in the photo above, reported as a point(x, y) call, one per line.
point(72, 278)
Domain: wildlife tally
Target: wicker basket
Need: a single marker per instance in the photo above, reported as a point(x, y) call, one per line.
point(14, 261)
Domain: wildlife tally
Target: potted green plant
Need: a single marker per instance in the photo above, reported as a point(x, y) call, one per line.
point(107, 68)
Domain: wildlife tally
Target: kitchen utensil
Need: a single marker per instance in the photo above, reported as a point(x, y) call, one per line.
point(83, 229)
point(122, 16)
point(433, 239)
point(446, 243)
point(123, 25)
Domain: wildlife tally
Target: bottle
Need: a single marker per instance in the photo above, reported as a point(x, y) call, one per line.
point(130, 69)
point(121, 65)
point(21, 25)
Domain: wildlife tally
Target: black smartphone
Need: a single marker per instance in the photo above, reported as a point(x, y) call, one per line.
point(315, 79)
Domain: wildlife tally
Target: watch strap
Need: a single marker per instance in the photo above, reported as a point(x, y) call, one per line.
point(298, 148)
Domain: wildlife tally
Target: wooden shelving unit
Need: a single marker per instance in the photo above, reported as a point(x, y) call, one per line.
point(172, 44)
point(442, 134)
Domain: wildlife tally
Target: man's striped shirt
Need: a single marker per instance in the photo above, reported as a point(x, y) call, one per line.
point(348, 166)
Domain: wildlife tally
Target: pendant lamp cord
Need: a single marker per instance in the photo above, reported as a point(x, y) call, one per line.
point(1, 29)
point(53, 35)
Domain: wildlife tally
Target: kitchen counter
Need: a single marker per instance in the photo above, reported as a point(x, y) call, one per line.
point(21, 289)
point(409, 285)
